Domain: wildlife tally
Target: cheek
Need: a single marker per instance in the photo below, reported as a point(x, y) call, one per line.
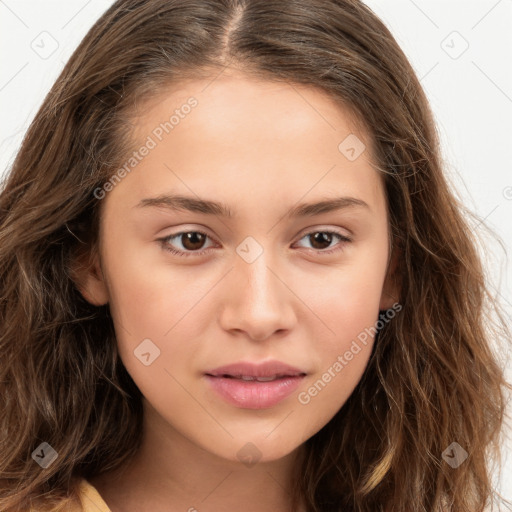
point(343, 357)
point(345, 297)
point(148, 296)
point(156, 302)
point(347, 302)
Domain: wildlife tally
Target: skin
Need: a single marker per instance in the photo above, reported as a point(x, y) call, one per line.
point(261, 148)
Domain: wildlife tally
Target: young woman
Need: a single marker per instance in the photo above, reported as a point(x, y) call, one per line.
point(233, 275)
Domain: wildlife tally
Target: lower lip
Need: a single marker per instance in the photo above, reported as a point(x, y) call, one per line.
point(254, 394)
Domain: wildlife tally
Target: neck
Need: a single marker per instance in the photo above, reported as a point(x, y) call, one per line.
point(170, 473)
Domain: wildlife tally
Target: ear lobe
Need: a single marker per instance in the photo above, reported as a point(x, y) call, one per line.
point(391, 290)
point(89, 280)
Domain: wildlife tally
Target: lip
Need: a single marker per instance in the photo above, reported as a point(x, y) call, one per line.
point(265, 369)
point(255, 394)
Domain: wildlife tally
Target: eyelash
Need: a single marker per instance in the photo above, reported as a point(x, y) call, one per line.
point(165, 245)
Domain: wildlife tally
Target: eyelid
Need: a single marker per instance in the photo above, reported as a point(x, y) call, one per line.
point(325, 228)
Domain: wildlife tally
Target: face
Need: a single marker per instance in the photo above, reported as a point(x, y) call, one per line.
point(257, 276)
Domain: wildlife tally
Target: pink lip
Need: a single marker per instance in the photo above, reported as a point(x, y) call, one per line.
point(265, 369)
point(255, 394)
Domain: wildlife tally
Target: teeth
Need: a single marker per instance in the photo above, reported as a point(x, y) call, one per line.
point(259, 379)
point(250, 378)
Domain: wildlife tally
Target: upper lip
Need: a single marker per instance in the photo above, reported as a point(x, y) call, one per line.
point(248, 369)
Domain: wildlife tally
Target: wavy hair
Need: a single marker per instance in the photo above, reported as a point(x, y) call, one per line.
point(433, 377)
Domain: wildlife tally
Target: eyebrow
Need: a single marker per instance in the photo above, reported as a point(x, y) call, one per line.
point(209, 207)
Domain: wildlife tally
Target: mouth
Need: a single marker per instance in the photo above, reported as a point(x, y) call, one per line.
point(264, 371)
point(251, 378)
point(255, 386)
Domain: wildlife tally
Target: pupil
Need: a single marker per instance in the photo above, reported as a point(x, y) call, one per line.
point(193, 240)
point(321, 237)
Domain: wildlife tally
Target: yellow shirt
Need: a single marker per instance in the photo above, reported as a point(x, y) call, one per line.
point(91, 499)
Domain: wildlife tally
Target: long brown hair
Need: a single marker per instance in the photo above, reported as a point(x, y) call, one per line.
point(432, 379)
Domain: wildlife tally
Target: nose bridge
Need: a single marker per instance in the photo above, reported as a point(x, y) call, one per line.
point(258, 301)
point(261, 283)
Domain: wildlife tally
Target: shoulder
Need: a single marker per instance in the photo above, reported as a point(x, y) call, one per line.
point(90, 499)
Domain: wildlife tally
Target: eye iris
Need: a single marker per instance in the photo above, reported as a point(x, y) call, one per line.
point(190, 240)
point(321, 237)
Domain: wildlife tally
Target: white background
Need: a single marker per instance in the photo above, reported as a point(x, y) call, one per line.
point(461, 50)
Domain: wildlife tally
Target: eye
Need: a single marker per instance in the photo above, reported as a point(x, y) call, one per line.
point(321, 239)
point(190, 241)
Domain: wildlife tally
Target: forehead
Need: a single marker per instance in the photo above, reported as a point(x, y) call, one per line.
point(272, 140)
point(241, 106)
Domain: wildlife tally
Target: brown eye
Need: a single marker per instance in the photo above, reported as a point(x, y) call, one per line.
point(192, 243)
point(320, 241)
point(192, 240)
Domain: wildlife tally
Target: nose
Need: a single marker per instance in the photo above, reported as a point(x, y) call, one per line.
point(257, 300)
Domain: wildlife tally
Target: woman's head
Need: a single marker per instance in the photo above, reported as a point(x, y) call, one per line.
point(261, 106)
point(260, 283)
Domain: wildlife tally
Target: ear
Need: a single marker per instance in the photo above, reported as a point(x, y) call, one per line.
point(391, 289)
point(89, 279)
